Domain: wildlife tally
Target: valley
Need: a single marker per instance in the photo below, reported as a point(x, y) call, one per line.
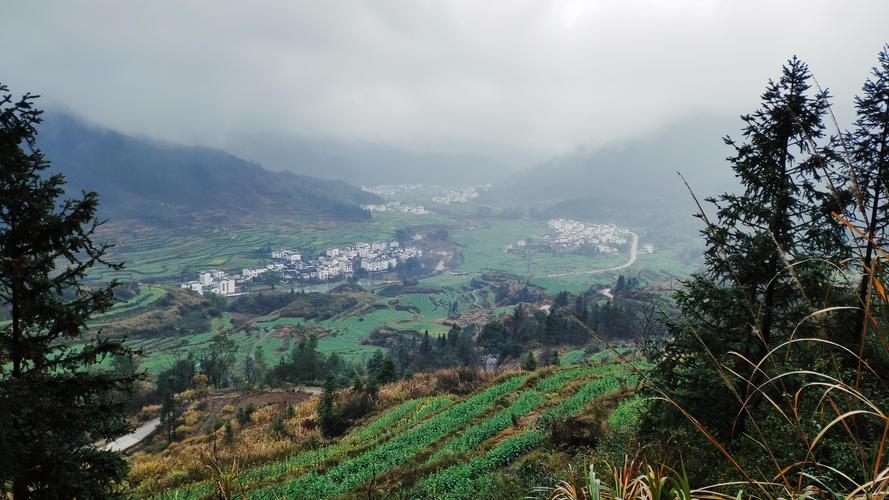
point(450, 250)
point(439, 296)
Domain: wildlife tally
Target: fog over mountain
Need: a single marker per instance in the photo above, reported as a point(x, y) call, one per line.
point(519, 81)
point(637, 177)
point(153, 181)
point(365, 163)
point(565, 103)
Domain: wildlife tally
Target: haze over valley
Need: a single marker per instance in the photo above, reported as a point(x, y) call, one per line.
point(571, 250)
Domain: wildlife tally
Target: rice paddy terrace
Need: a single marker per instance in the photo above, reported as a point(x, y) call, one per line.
point(441, 446)
point(168, 255)
point(274, 334)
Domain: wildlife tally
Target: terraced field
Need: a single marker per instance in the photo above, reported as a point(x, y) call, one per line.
point(162, 254)
point(145, 296)
point(159, 352)
point(453, 443)
point(168, 255)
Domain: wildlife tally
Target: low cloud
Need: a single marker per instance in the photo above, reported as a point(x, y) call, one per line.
point(515, 79)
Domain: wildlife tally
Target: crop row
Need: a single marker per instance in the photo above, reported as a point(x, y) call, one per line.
point(555, 381)
point(397, 419)
point(473, 436)
point(461, 481)
point(397, 450)
point(627, 413)
point(577, 402)
point(392, 422)
point(362, 437)
point(394, 418)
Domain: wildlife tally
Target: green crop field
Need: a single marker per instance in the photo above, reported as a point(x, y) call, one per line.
point(571, 357)
point(165, 256)
point(145, 296)
point(397, 450)
point(347, 333)
point(455, 442)
point(483, 249)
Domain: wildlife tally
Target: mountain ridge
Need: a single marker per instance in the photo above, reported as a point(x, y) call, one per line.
point(366, 163)
point(164, 182)
point(633, 180)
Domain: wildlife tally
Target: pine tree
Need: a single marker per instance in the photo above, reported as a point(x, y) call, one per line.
point(218, 359)
point(530, 363)
point(426, 345)
point(870, 162)
point(313, 360)
point(329, 417)
point(168, 415)
point(388, 372)
point(229, 437)
point(746, 300)
point(250, 373)
point(55, 402)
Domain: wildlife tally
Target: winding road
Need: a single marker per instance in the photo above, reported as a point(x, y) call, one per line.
point(634, 253)
point(126, 442)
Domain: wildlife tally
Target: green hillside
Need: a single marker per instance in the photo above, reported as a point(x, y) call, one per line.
point(429, 446)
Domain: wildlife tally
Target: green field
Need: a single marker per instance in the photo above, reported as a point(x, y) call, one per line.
point(483, 249)
point(452, 440)
point(348, 332)
point(164, 256)
point(145, 296)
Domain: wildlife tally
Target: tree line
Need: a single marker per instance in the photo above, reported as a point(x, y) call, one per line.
point(789, 294)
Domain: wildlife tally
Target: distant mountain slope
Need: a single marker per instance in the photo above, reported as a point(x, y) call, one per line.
point(635, 179)
point(153, 181)
point(365, 163)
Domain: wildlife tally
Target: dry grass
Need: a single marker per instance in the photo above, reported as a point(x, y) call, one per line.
point(199, 456)
point(842, 405)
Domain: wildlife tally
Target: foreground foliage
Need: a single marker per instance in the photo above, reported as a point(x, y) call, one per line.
point(55, 403)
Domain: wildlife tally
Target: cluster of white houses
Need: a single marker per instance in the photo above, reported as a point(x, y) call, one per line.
point(517, 247)
point(392, 189)
point(397, 206)
point(464, 195)
point(333, 264)
point(218, 282)
point(337, 263)
point(570, 235)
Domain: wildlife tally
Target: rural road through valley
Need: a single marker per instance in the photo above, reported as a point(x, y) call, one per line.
point(126, 442)
point(634, 251)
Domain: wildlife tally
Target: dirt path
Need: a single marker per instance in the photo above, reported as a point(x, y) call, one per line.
point(126, 442)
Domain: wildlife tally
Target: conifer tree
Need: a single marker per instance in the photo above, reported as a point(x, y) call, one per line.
point(168, 415)
point(869, 151)
point(329, 417)
point(530, 363)
point(55, 403)
point(748, 299)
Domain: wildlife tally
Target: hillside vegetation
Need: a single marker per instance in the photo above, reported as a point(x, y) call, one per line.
point(427, 436)
point(167, 183)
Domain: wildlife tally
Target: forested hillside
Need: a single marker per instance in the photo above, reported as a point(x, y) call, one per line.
point(167, 183)
point(762, 378)
point(363, 163)
point(698, 313)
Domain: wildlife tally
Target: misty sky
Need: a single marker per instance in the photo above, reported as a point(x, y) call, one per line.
point(512, 78)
